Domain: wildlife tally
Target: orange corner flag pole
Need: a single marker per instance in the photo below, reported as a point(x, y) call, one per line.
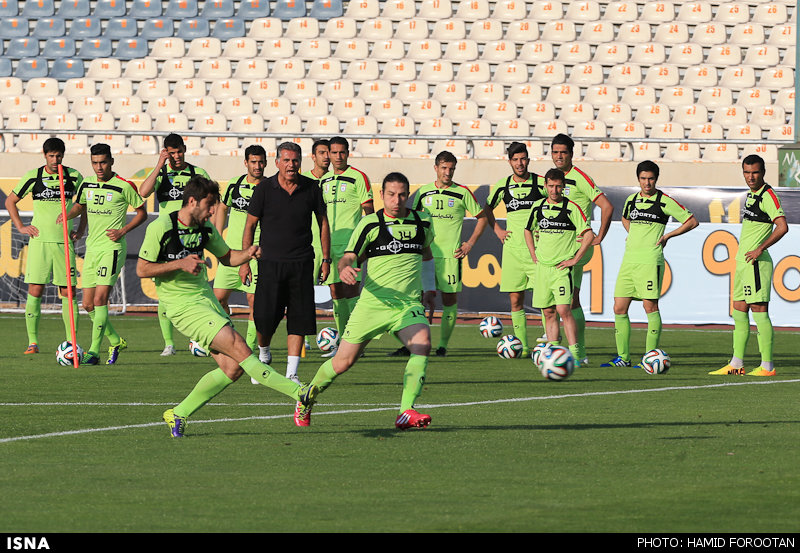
point(75, 360)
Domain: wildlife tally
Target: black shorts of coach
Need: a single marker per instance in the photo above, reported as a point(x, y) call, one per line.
point(285, 288)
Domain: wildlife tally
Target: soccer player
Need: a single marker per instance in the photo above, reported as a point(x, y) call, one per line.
point(447, 203)
point(555, 227)
point(347, 194)
point(236, 198)
point(172, 253)
point(396, 241)
point(46, 259)
point(763, 224)
point(581, 189)
point(167, 181)
point(518, 191)
point(104, 198)
point(645, 217)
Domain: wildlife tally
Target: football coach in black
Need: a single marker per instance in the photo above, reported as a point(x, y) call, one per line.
point(285, 206)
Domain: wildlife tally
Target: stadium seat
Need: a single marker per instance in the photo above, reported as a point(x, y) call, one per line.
point(545, 10)
point(715, 97)
point(586, 74)
point(389, 50)
point(709, 34)
point(10, 105)
point(461, 111)
point(131, 48)
point(198, 107)
point(67, 68)
point(563, 94)
point(576, 52)
point(338, 89)
point(473, 10)
point(449, 29)
point(85, 27)
point(731, 13)
point(776, 78)
point(104, 68)
point(274, 107)
point(222, 89)
point(690, 115)
point(177, 69)
point(662, 76)
point(409, 30)
point(366, 125)
point(120, 28)
point(434, 10)
point(28, 143)
point(253, 9)
point(652, 114)
point(657, 12)
point(312, 106)
point(700, 77)
point(538, 111)
point(14, 27)
point(522, 32)
point(682, 152)
point(412, 91)
point(747, 34)
point(42, 87)
point(446, 92)
point(432, 127)
point(459, 50)
point(639, 95)
point(214, 69)
point(744, 132)
point(211, 123)
point(509, 10)
point(298, 89)
point(624, 75)
point(762, 55)
point(648, 53)
point(9, 8)
point(88, 106)
point(22, 47)
point(474, 72)
point(6, 68)
point(425, 109)
point(676, 96)
point(398, 10)
point(559, 31)
point(634, 32)
point(165, 48)
point(604, 151)
point(363, 70)
point(191, 28)
point(686, 55)
point(724, 55)
point(29, 68)
point(412, 148)
point(121, 106)
point(536, 52)
point(247, 124)
point(398, 125)
point(597, 32)
point(782, 35)
point(498, 51)
point(397, 71)
point(602, 94)
point(610, 53)
point(611, 114)
point(583, 11)
point(697, 11)
point(767, 117)
point(78, 88)
point(352, 49)
point(181, 9)
point(157, 27)
point(115, 88)
point(288, 69)
point(785, 99)
point(436, 71)
point(705, 131)
point(621, 11)
point(578, 114)
point(496, 112)
point(216, 9)
point(348, 108)
point(783, 132)
point(754, 97)
point(38, 8)
point(738, 77)
point(667, 130)
point(720, 153)
point(49, 27)
point(228, 28)
point(524, 93)
point(515, 128)
point(326, 9)
point(145, 9)
point(671, 33)
point(302, 28)
point(487, 30)
point(240, 48)
point(63, 47)
point(161, 106)
point(289, 9)
point(325, 70)
point(550, 128)
point(188, 88)
point(265, 28)
point(263, 89)
point(487, 93)
point(202, 48)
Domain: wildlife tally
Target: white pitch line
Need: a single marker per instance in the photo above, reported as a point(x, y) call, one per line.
point(388, 408)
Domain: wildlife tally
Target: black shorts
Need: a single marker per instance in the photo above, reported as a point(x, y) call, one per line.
point(285, 288)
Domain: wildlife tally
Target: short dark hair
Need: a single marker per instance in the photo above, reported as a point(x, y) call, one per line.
point(200, 188)
point(444, 157)
point(752, 159)
point(54, 144)
point(563, 140)
point(100, 150)
point(396, 176)
point(341, 141)
point(649, 166)
point(321, 142)
point(288, 145)
point(555, 174)
point(173, 140)
point(254, 150)
point(516, 148)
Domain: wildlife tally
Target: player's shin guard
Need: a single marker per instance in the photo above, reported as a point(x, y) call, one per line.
point(741, 333)
point(166, 326)
point(65, 316)
point(653, 330)
point(204, 391)
point(622, 335)
point(267, 376)
point(449, 318)
point(33, 312)
point(325, 376)
point(765, 335)
point(520, 322)
point(413, 380)
point(580, 327)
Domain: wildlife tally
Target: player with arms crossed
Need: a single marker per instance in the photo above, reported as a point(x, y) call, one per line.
point(397, 242)
point(518, 191)
point(46, 257)
point(167, 180)
point(347, 193)
point(581, 189)
point(447, 203)
point(763, 224)
point(555, 227)
point(645, 217)
point(172, 254)
point(104, 198)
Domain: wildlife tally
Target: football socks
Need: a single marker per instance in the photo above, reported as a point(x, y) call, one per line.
point(741, 333)
point(33, 312)
point(325, 376)
point(65, 316)
point(166, 326)
point(765, 337)
point(292, 362)
point(653, 330)
point(622, 335)
point(267, 376)
point(449, 316)
point(204, 391)
point(413, 380)
point(580, 326)
point(252, 336)
point(520, 322)
point(341, 313)
point(99, 317)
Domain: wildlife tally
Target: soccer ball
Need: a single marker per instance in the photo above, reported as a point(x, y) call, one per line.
point(328, 339)
point(196, 349)
point(65, 353)
point(536, 354)
point(556, 363)
point(656, 361)
point(491, 327)
point(509, 347)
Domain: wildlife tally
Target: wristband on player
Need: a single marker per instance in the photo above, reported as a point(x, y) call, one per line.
point(327, 260)
point(428, 276)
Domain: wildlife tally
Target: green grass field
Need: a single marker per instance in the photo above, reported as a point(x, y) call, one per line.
point(609, 450)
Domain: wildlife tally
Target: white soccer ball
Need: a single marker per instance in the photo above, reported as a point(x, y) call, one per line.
point(328, 339)
point(556, 363)
point(536, 354)
point(196, 349)
point(65, 353)
point(656, 361)
point(509, 347)
point(491, 327)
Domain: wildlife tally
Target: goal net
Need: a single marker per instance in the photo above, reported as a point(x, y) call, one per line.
point(13, 259)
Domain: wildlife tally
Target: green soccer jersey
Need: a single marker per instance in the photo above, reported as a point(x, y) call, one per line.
point(344, 196)
point(106, 208)
point(45, 191)
point(581, 189)
point(447, 207)
point(237, 196)
point(167, 239)
point(170, 184)
point(556, 228)
point(760, 210)
point(648, 218)
point(394, 248)
point(518, 198)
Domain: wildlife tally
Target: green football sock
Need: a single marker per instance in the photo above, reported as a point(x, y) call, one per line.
point(622, 335)
point(204, 391)
point(574, 350)
point(765, 335)
point(166, 326)
point(325, 376)
point(65, 316)
point(580, 326)
point(741, 332)
point(111, 333)
point(252, 336)
point(449, 317)
point(99, 318)
point(33, 312)
point(341, 313)
point(267, 376)
point(413, 380)
point(520, 323)
point(653, 330)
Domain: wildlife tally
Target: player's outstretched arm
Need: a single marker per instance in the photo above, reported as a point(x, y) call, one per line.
point(236, 258)
point(687, 225)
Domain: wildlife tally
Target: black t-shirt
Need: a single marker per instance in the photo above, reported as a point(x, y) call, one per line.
point(286, 219)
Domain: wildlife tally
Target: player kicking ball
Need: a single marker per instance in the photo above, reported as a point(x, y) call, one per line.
point(396, 241)
point(172, 254)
